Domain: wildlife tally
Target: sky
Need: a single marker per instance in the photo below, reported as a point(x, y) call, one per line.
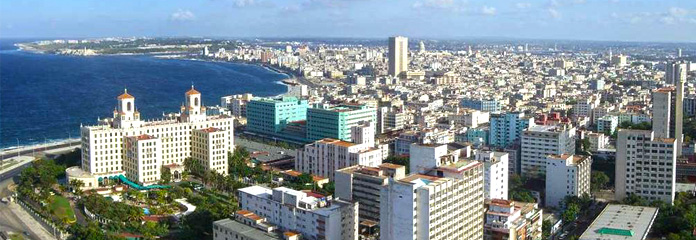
point(614, 20)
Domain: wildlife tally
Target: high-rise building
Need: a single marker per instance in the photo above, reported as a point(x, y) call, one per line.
point(675, 71)
point(566, 175)
point(398, 55)
point(306, 213)
point(336, 122)
point(668, 113)
point(421, 47)
point(495, 174)
point(363, 184)
point(505, 128)
point(428, 207)
point(270, 116)
point(137, 149)
point(619, 60)
point(645, 165)
point(540, 141)
point(513, 220)
point(679, 52)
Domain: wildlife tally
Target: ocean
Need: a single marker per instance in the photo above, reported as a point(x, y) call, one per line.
point(45, 98)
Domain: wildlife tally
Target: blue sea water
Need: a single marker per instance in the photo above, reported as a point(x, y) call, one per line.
point(46, 97)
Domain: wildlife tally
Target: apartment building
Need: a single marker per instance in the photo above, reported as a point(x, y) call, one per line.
point(542, 140)
point(566, 175)
point(495, 173)
point(645, 165)
point(512, 220)
point(363, 184)
point(306, 213)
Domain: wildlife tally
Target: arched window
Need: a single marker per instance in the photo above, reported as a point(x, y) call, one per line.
point(195, 102)
point(128, 106)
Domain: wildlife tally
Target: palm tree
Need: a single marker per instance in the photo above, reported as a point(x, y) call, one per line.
point(76, 185)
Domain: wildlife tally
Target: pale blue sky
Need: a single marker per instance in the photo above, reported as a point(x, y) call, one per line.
point(625, 20)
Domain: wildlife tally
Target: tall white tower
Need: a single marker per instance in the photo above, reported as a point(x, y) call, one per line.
point(125, 114)
point(398, 55)
point(194, 110)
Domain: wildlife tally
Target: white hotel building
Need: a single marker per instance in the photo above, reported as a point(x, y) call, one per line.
point(138, 149)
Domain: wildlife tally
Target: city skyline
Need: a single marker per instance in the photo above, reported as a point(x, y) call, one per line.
point(663, 21)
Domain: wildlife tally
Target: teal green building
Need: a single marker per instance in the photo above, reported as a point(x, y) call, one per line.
point(335, 122)
point(270, 116)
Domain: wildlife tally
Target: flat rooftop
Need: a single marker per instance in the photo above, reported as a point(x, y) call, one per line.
point(248, 232)
point(621, 222)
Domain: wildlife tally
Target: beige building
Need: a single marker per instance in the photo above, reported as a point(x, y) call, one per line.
point(363, 184)
point(106, 153)
point(324, 157)
point(398, 56)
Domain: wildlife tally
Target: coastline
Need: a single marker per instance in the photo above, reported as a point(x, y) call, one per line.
point(11, 149)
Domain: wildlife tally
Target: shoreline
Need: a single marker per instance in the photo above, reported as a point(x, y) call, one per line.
point(288, 75)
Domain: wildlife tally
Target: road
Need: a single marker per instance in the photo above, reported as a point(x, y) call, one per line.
point(13, 218)
point(37, 149)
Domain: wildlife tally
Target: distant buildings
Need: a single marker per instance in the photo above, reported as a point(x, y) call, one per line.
point(566, 175)
point(270, 116)
point(506, 128)
point(488, 105)
point(619, 60)
point(645, 165)
point(542, 140)
point(398, 56)
point(308, 214)
point(335, 122)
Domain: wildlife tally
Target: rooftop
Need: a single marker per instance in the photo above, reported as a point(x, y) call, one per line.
point(621, 222)
point(248, 232)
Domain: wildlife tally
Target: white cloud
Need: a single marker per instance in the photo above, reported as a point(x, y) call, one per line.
point(678, 12)
point(486, 10)
point(434, 4)
point(554, 13)
point(244, 3)
point(182, 16)
point(523, 5)
point(668, 20)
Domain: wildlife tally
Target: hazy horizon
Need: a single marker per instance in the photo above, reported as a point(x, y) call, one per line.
point(582, 20)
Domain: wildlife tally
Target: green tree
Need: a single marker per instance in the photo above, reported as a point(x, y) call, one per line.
point(400, 160)
point(570, 213)
point(599, 180)
point(166, 176)
point(546, 229)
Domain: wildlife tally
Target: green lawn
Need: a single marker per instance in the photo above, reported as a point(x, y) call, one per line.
point(60, 207)
point(16, 236)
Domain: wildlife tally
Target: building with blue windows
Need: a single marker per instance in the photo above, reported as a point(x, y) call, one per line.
point(488, 105)
point(505, 128)
point(335, 121)
point(271, 116)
